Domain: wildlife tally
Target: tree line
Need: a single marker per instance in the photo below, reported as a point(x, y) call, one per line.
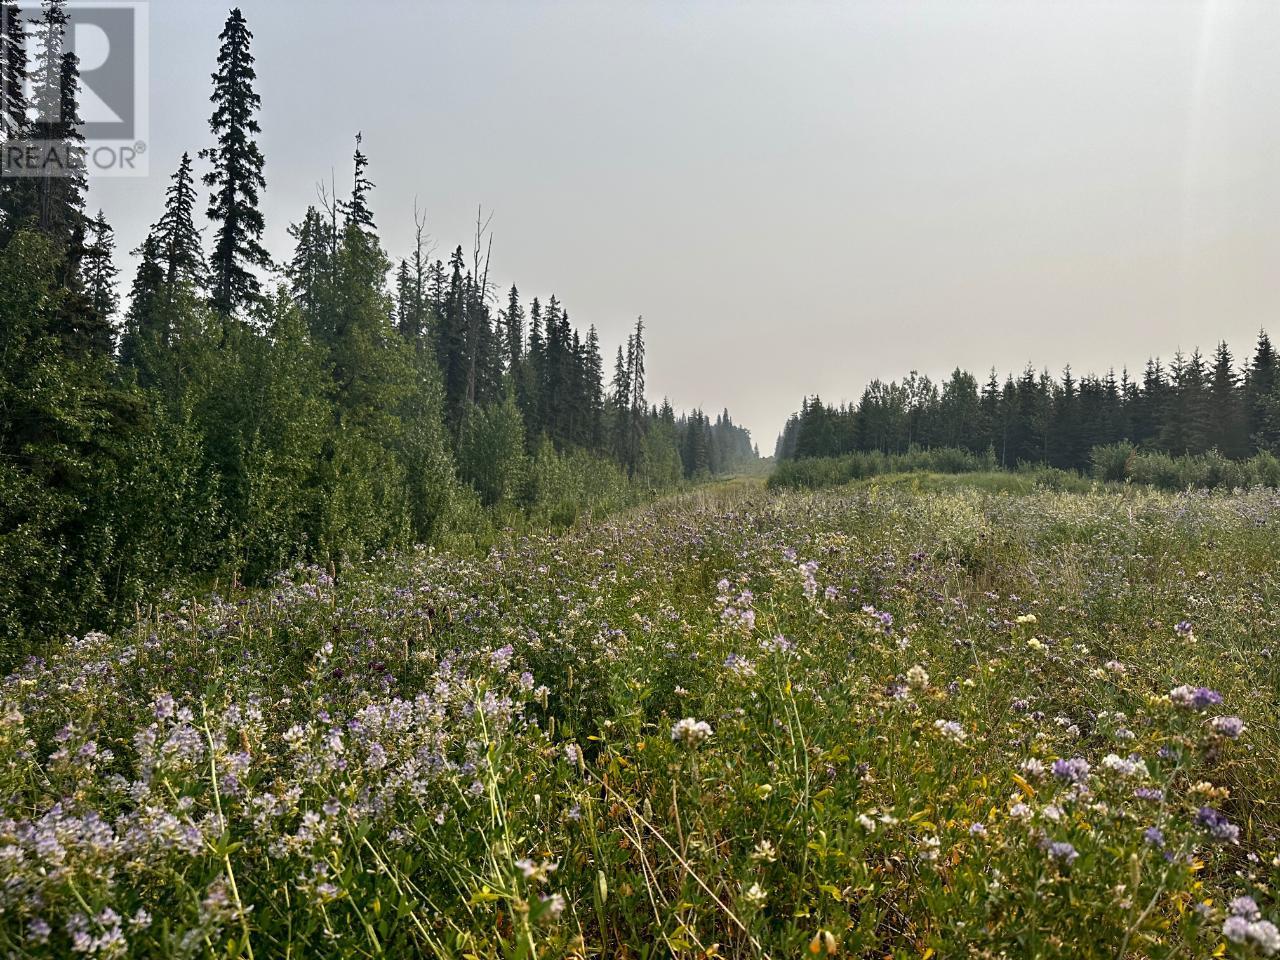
point(235, 413)
point(1192, 405)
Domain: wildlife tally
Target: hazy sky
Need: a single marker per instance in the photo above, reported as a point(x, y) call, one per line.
point(798, 197)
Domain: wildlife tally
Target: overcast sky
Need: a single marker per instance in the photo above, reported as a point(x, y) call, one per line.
point(798, 197)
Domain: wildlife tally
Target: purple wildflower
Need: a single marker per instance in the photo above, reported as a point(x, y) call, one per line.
point(1217, 825)
point(1063, 852)
point(1074, 770)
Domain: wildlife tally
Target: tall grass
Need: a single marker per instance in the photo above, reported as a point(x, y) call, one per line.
point(906, 718)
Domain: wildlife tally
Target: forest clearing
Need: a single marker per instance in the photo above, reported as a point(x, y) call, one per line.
point(903, 718)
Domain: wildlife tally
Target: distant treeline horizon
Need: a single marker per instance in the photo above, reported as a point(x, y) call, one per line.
point(1191, 405)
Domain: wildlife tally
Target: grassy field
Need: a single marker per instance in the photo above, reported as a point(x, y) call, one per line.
point(918, 717)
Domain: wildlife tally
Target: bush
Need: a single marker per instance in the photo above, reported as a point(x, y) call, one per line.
point(814, 473)
point(1204, 471)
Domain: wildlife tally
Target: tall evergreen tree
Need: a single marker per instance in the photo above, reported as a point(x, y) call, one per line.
point(1224, 406)
point(178, 240)
point(100, 272)
point(513, 327)
point(53, 199)
point(310, 270)
point(356, 210)
point(13, 111)
point(13, 72)
point(236, 177)
point(1260, 392)
point(142, 338)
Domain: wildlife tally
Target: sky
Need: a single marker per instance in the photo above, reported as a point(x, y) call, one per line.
point(798, 197)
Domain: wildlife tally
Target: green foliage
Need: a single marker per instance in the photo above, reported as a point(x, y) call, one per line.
point(491, 451)
point(1206, 471)
point(892, 720)
point(816, 473)
point(1192, 407)
point(238, 432)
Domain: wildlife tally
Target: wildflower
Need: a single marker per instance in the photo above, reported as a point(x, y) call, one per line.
point(38, 931)
point(1246, 926)
point(1027, 618)
point(553, 905)
point(1125, 767)
point(977, 829)
point(1236, 929)
point(1229, 727)
point(535, 872)
point(1265, 936)
point(1032, 768)
point(1245, 907)
point(951, 730)
point(929, 847)
point(1062, 852)
point(163, 707)
point(1183, 628)
point(1153, 836)
point(755, 895)
point(918, 678)
point(1035, 644)
point(1149, 793)
point(867, 823)
point(1218, 826)
point(1020, 811)
point(1074, 770)
point(1194, 698)
point(572, 753)
point(739, 666)
point(766, 852)
point(690, 732)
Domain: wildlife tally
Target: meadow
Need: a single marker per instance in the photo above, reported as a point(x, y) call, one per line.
point(912, 717)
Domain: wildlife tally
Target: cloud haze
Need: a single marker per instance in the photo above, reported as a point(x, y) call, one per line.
point(797, 196)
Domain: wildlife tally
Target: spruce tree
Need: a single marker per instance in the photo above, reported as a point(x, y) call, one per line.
point(594, 373)
point(100, 271)
point(236, 177)
point(180, 248)
point(513, 326)
point(13, 72)
point(53, 200)
point(13, 111)
point(141, 339)
point(1227, 423)
point(451, 343)
point(310, 269)
point(1260, 393)
point(356, 210)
